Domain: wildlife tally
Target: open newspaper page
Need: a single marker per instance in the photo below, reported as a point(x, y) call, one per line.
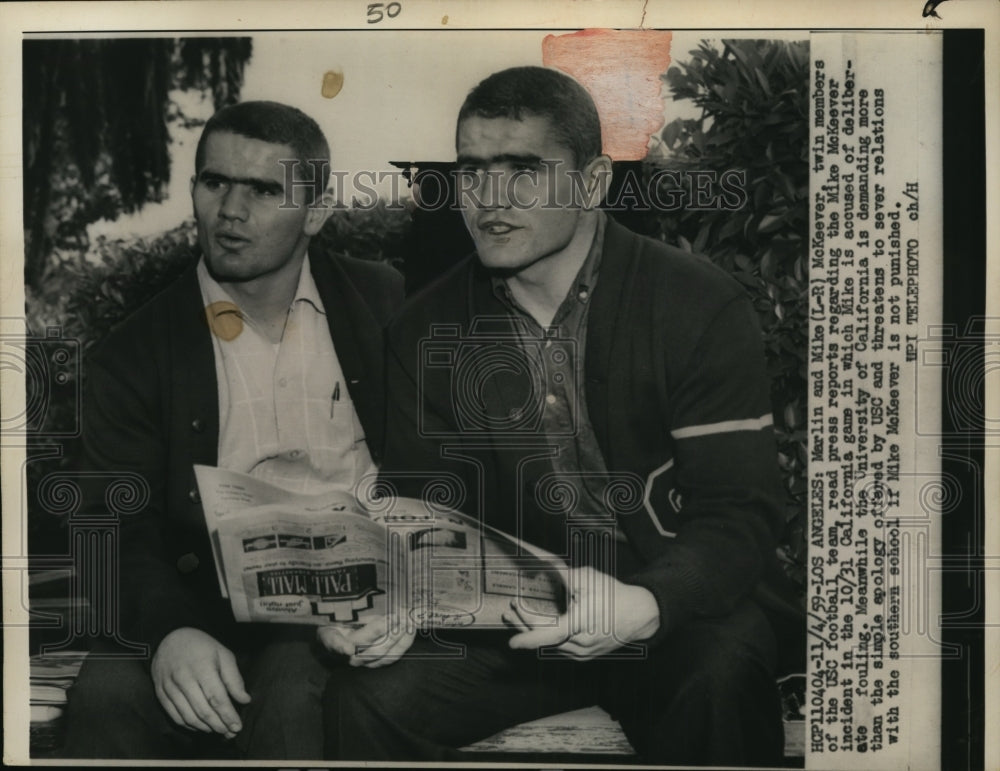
point(227, 493)
point(320, 559)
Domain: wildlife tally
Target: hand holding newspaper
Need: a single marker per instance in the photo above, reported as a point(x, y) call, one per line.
point(320, 559)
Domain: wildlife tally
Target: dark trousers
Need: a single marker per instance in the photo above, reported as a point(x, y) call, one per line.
point(705, 696)
point(113, 711)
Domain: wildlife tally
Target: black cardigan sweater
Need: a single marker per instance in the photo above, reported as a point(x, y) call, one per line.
point(677, 394)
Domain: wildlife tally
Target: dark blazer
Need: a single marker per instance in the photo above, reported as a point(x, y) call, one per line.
point(677, 395)
point(151, 411)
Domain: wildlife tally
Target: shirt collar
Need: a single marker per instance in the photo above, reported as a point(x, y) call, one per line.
point(219, 302)
point(307, 290)
point(586, 278)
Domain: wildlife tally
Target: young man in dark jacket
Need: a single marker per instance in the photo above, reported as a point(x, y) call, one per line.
point(235, 365)
point(604, 396)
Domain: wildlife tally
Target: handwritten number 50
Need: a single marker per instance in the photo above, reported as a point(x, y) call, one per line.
point(376, 14)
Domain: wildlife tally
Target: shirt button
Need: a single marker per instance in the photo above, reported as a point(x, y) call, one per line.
point(197, 425)
point(294, 453)
point(193, 495)
point(283, 382)
point(550, 399)
point(188, 563)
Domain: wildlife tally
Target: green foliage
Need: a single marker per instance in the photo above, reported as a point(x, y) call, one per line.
point(379, 233)
point(86, 298)
point(753, 96)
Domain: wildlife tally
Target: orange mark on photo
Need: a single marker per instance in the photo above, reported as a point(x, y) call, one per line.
point(224, 319)
point(621, 69)
point(332, 83)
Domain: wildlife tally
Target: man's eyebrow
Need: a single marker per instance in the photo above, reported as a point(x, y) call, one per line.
point(265, 184)
point(528, 159)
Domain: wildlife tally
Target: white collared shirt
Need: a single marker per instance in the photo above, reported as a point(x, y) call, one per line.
point(285, 414)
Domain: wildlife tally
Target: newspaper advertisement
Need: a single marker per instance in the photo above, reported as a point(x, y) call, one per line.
point(838, 160)
point(324, 559)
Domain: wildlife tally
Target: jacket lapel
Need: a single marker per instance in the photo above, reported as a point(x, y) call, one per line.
point(612, 368)
point(359, 344)
point(195, 412)
point(610, 300)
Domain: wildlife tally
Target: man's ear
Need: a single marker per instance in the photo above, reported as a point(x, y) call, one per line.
point(317, 214)
point(597, 173)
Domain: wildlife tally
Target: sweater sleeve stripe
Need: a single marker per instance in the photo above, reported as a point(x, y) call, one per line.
point(725, 427)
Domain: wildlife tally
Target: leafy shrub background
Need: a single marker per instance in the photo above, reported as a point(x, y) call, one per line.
point(753, 96)
point(379, 233)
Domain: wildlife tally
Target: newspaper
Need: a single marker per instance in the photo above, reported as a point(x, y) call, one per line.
point(284, 557)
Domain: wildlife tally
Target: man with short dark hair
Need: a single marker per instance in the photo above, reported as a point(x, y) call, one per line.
point(605, 399)
point(239, 364)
